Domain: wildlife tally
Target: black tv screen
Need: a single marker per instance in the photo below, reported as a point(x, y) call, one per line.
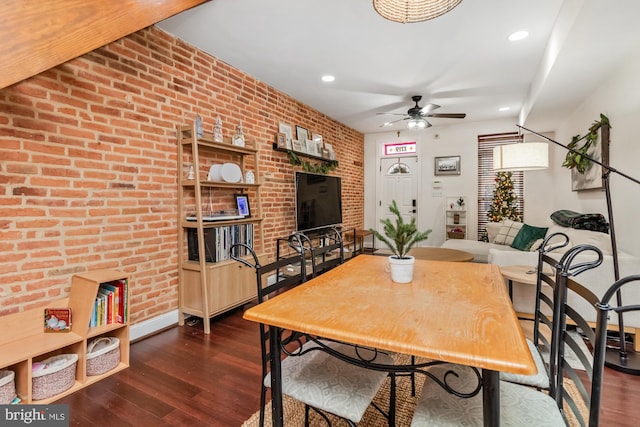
point(318, 201)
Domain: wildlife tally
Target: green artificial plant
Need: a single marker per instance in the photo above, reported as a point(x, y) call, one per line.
point(575, 159)
point(400, 237)
point(321, 168)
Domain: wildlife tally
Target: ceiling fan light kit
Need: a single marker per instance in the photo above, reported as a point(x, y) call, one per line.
point(410, 11)
point(417, 115)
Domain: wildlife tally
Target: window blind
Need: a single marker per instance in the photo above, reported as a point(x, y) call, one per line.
point(486, 176)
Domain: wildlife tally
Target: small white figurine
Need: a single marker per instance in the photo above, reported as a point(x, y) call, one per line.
point(250, 177)
point(199, 131)
point(217, 130)
point(238, 138)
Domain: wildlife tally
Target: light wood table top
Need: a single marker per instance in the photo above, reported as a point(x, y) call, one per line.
point(519, 273)
point(441, 254)
point(454, 312)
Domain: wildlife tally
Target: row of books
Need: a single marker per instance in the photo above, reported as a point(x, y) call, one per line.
point(227, 236)
point(110, 305)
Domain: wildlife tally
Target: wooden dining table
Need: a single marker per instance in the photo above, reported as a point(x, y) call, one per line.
point(451, 312)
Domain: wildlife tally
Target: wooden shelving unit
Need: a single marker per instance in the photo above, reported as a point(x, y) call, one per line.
point(455, 218)
point(24, 341)
point(210, 288)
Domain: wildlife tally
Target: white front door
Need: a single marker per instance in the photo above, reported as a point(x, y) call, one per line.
point(399, 177)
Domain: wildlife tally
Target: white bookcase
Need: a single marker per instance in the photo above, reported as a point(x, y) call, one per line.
point(455, 217)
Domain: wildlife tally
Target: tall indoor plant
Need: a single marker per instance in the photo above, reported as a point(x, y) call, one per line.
point(400, 237)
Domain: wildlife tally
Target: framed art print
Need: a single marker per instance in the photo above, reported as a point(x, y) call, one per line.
point(447, 165)
point(242, 204)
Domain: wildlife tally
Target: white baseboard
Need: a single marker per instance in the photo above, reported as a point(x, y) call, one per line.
point(153, 325)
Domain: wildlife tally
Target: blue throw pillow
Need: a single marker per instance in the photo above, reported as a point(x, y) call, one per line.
point(527, 236)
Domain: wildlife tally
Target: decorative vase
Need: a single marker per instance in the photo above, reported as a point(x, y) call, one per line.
point(401, 268)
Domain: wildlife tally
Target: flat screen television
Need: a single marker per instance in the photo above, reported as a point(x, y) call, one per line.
point(318, 201)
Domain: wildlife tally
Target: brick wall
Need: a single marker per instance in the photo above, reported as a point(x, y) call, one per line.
point(88, 165)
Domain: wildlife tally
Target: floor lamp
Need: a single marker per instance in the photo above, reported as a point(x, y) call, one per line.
point(532, 156)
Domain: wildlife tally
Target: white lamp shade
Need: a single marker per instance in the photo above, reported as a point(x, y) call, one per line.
point(521, 157)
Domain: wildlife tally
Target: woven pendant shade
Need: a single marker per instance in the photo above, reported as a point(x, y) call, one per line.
point(409, 11)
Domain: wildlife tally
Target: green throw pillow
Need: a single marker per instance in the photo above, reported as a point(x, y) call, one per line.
point(527, 236)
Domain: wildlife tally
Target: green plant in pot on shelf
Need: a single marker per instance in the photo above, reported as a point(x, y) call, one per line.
point(400, 236)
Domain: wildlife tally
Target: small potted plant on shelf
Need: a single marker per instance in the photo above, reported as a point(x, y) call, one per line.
point(400, 238)
point(460, 203)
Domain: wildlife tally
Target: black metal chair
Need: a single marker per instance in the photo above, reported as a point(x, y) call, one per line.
point(540, 345)
point(325, 255)
point(604, 309)
point(527, 406)
point(309, 374)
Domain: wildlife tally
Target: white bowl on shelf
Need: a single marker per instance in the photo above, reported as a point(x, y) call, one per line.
point(227, 172)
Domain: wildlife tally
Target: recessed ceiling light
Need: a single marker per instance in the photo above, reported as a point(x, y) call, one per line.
point(504, 108)
point(518, 35)
point(328, 78)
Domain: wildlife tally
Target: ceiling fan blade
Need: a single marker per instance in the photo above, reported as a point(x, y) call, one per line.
point(392, 114)
point(428, 108)
point(395, 121)
point(448, 115)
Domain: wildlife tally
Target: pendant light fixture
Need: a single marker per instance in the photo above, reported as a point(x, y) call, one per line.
point(409, 11)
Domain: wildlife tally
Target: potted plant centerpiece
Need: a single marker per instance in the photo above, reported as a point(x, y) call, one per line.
point(400, 238)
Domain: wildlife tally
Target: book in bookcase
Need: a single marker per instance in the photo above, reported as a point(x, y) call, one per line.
point(110, 304)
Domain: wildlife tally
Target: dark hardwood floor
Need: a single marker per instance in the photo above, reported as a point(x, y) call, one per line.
point(183, 377)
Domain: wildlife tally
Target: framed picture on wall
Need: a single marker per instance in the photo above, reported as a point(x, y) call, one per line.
point(286, 129)
point(447, 165)
point(302, 134)
point(281, 140)
point(242, 204)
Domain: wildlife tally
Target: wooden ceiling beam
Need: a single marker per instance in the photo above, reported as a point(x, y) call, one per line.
point(40, 34)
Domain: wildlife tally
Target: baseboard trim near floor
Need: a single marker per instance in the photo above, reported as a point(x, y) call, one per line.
point(152, 326)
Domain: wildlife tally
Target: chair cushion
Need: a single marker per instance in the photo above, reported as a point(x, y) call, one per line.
point(539, 380)
point(330, 384)
point(519, 406)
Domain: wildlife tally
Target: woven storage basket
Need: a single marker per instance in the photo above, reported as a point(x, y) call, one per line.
point(455, 235)
point(57, 374)
point(103, 354)
point(7, 387)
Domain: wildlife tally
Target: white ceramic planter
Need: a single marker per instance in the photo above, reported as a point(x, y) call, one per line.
point(401, 269)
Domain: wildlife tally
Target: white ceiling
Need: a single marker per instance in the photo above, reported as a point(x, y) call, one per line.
point(461, 60)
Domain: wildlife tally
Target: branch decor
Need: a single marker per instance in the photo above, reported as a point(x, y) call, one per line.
point(577, 157)
point(321, 168)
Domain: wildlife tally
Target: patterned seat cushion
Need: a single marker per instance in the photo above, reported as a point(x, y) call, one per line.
point(332, 385)
point(519, 406)
point(539, 380)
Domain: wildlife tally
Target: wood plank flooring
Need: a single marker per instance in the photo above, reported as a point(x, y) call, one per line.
point(181, 377)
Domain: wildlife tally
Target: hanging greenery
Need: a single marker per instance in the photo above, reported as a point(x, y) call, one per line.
point(505, 202)
point(575, 159)
point(320, 168)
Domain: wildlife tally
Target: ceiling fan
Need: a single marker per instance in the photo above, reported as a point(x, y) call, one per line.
point(417, 115)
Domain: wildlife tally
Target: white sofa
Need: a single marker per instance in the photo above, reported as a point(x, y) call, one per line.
point(598, 279)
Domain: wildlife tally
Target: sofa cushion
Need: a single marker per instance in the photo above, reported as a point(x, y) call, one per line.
point(493, 228)
point(508, 232)
point(601, 241)
point(527, 236)
point(480, 250)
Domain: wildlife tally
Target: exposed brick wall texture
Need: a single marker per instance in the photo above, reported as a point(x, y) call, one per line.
point(88, 165)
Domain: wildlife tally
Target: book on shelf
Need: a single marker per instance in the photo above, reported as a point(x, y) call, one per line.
point(110, 305)
point(57, 319)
